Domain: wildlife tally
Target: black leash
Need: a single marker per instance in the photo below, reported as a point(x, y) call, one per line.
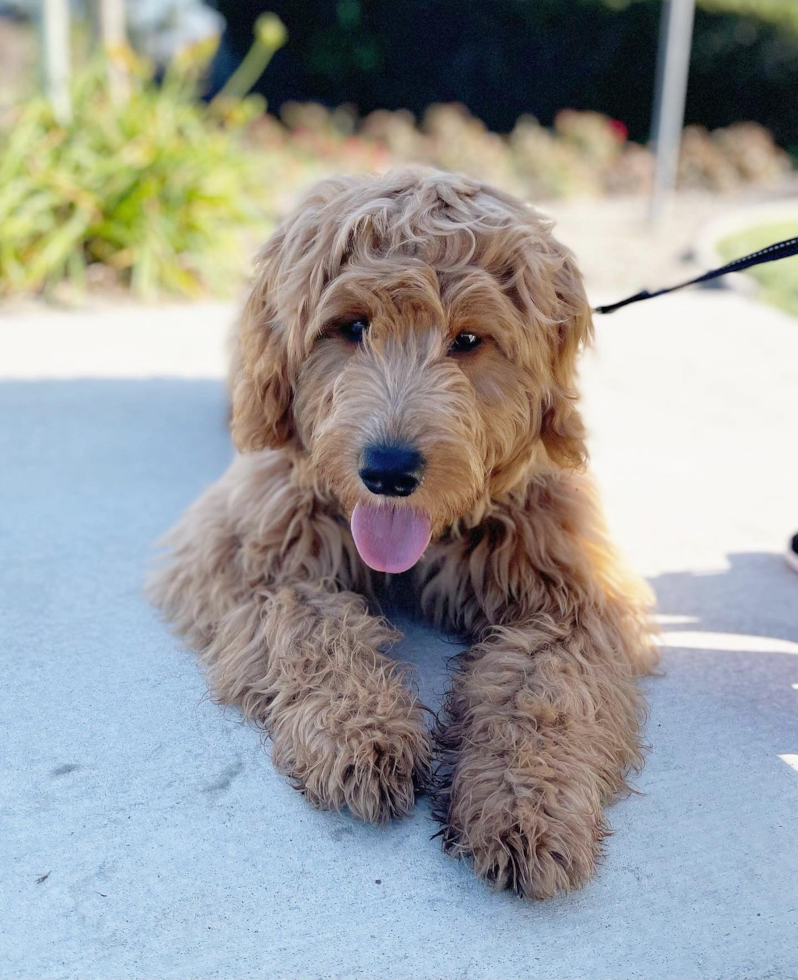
point(781, 250)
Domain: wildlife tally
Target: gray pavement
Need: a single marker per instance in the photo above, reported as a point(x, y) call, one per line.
point(143, 832)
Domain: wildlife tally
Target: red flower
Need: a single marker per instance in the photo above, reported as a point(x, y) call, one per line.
point(619, 129)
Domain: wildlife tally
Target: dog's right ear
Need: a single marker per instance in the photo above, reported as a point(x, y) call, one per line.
point(299, 258)
point(261, 388)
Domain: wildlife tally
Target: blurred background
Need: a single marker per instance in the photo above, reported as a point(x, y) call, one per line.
point(147, 147)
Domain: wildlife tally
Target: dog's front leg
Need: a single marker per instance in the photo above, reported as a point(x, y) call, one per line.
point(305, 663)
point(542, 728)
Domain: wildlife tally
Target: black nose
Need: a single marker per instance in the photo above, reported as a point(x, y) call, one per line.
point(393, 471)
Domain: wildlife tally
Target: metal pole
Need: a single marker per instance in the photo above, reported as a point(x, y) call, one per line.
point(112, 24)
point(673, 66)
point(55, 56)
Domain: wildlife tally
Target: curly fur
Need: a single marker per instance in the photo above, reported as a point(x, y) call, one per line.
point(542, 722)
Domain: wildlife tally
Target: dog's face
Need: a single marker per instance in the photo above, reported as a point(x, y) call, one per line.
point(415, 334)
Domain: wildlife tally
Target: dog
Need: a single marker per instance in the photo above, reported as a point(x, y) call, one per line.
point(404, 403)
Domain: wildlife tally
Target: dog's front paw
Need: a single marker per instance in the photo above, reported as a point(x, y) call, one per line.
point(520, 831)
point(369, 760)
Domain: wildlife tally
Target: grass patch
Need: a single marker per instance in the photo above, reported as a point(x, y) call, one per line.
point(778, 281)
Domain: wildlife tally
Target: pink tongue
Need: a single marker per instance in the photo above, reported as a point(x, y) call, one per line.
point(390, 539)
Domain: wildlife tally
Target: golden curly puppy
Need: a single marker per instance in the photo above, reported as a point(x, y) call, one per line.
point(404, 402)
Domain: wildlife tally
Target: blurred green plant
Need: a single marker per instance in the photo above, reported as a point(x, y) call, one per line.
point(155, 191)
point(783, 13)
point(163, 193)
point(269, 36)
point(778, 281)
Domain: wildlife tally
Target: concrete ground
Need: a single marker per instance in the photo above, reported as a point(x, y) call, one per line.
point(144, 832)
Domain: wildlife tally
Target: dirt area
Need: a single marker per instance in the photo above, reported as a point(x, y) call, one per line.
point(620, 251)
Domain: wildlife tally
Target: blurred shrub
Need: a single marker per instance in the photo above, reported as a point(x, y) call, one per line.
point(783, 13)
point(163, 193)
point(151, 193)
point(586, 153)
point(738, 154)
point(504, 58)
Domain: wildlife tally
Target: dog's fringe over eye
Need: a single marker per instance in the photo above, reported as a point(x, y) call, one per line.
point(464, 342)
point(353, 329)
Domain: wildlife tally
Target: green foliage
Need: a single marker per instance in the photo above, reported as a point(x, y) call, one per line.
point(778, 281)
point(505, 58)
point(269, 36)
point(782, 13)
point(161, 193)
point(156, 189)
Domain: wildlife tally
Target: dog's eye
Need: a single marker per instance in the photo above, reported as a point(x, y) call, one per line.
point(464, 342)
point(355, 329)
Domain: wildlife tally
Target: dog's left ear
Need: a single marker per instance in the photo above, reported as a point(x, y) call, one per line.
point(571, 327)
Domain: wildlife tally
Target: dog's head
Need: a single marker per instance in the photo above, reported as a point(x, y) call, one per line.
point(416, 335)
